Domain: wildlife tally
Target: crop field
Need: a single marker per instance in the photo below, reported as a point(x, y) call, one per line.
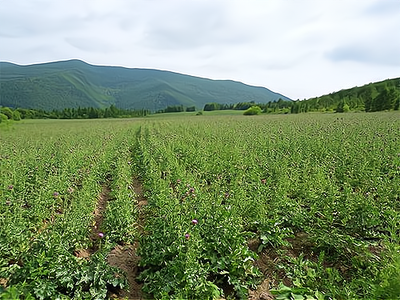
point(300, 206)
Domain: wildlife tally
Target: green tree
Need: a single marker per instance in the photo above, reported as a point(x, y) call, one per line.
point(7, 111)
point(26, 113)
point(393, 97)
point(3, 117)
point(254, 110)
point(385, 100)
point(93, 113)
point(16, 115)
point(66, 113)
point(342, 107)
point(212, 106)
point(295, 109)
point(113, 111)
point(367, 95)
point(397, 103)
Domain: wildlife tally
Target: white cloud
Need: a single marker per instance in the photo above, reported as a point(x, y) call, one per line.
point(298, 48)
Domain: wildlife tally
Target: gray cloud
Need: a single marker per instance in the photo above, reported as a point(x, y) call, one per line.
point(91, 44)
point(386, 7)
point(298, 48)
point(378, 54)
point(190, 25)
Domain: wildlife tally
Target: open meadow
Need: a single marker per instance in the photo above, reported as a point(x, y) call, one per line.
point(303, 206)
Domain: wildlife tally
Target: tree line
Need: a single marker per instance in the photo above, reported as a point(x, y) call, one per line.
point(378, 96)
point(7, 113)
point(269, 107)
point(176, 108)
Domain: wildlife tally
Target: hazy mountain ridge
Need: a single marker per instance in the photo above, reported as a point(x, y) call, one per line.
point(74, 83)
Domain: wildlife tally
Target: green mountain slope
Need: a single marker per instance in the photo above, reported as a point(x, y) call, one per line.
point(73, 83)
point(375, 96)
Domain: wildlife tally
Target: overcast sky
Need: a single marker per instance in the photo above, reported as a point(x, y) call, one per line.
point(299, 48)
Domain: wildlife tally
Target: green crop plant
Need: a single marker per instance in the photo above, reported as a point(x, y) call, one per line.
point(314, 197)
point(53, 173)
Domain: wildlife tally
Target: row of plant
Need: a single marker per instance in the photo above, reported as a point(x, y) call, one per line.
point(51, 179)
point(318, 195)
point(321, 193)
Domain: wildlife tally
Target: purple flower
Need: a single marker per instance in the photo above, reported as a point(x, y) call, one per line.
point(187, 236)
point(101, 235)
point(55, 194)
point(10, 187)
point(195, 222)
point(191, 190)
point(263, 181)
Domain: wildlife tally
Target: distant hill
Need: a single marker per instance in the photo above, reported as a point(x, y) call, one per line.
point(74, 83)
point(375, 96)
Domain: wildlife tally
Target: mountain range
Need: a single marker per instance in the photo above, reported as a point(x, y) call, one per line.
point(74, 83)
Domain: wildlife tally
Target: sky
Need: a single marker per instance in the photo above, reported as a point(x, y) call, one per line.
point(299, 48)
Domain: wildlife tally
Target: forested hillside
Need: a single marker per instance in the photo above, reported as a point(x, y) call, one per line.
point(69, 85)
point(73, 84)
point(377, 96)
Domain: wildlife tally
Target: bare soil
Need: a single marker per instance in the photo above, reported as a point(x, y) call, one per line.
point(269, 258)
point(138, 189)
point(262, 292)
point(3, 282)
point(99, 211)
point(98, 220)
point(125, 258)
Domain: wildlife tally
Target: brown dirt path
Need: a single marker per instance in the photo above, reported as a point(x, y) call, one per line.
point(125, 258)
point(99, 211)
point(98, 220)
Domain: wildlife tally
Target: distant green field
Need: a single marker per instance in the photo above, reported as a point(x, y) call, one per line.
point(309, 203)
point(194, 114)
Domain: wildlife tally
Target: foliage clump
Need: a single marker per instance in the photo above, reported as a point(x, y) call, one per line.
point(254, 110)
point(3, 117)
